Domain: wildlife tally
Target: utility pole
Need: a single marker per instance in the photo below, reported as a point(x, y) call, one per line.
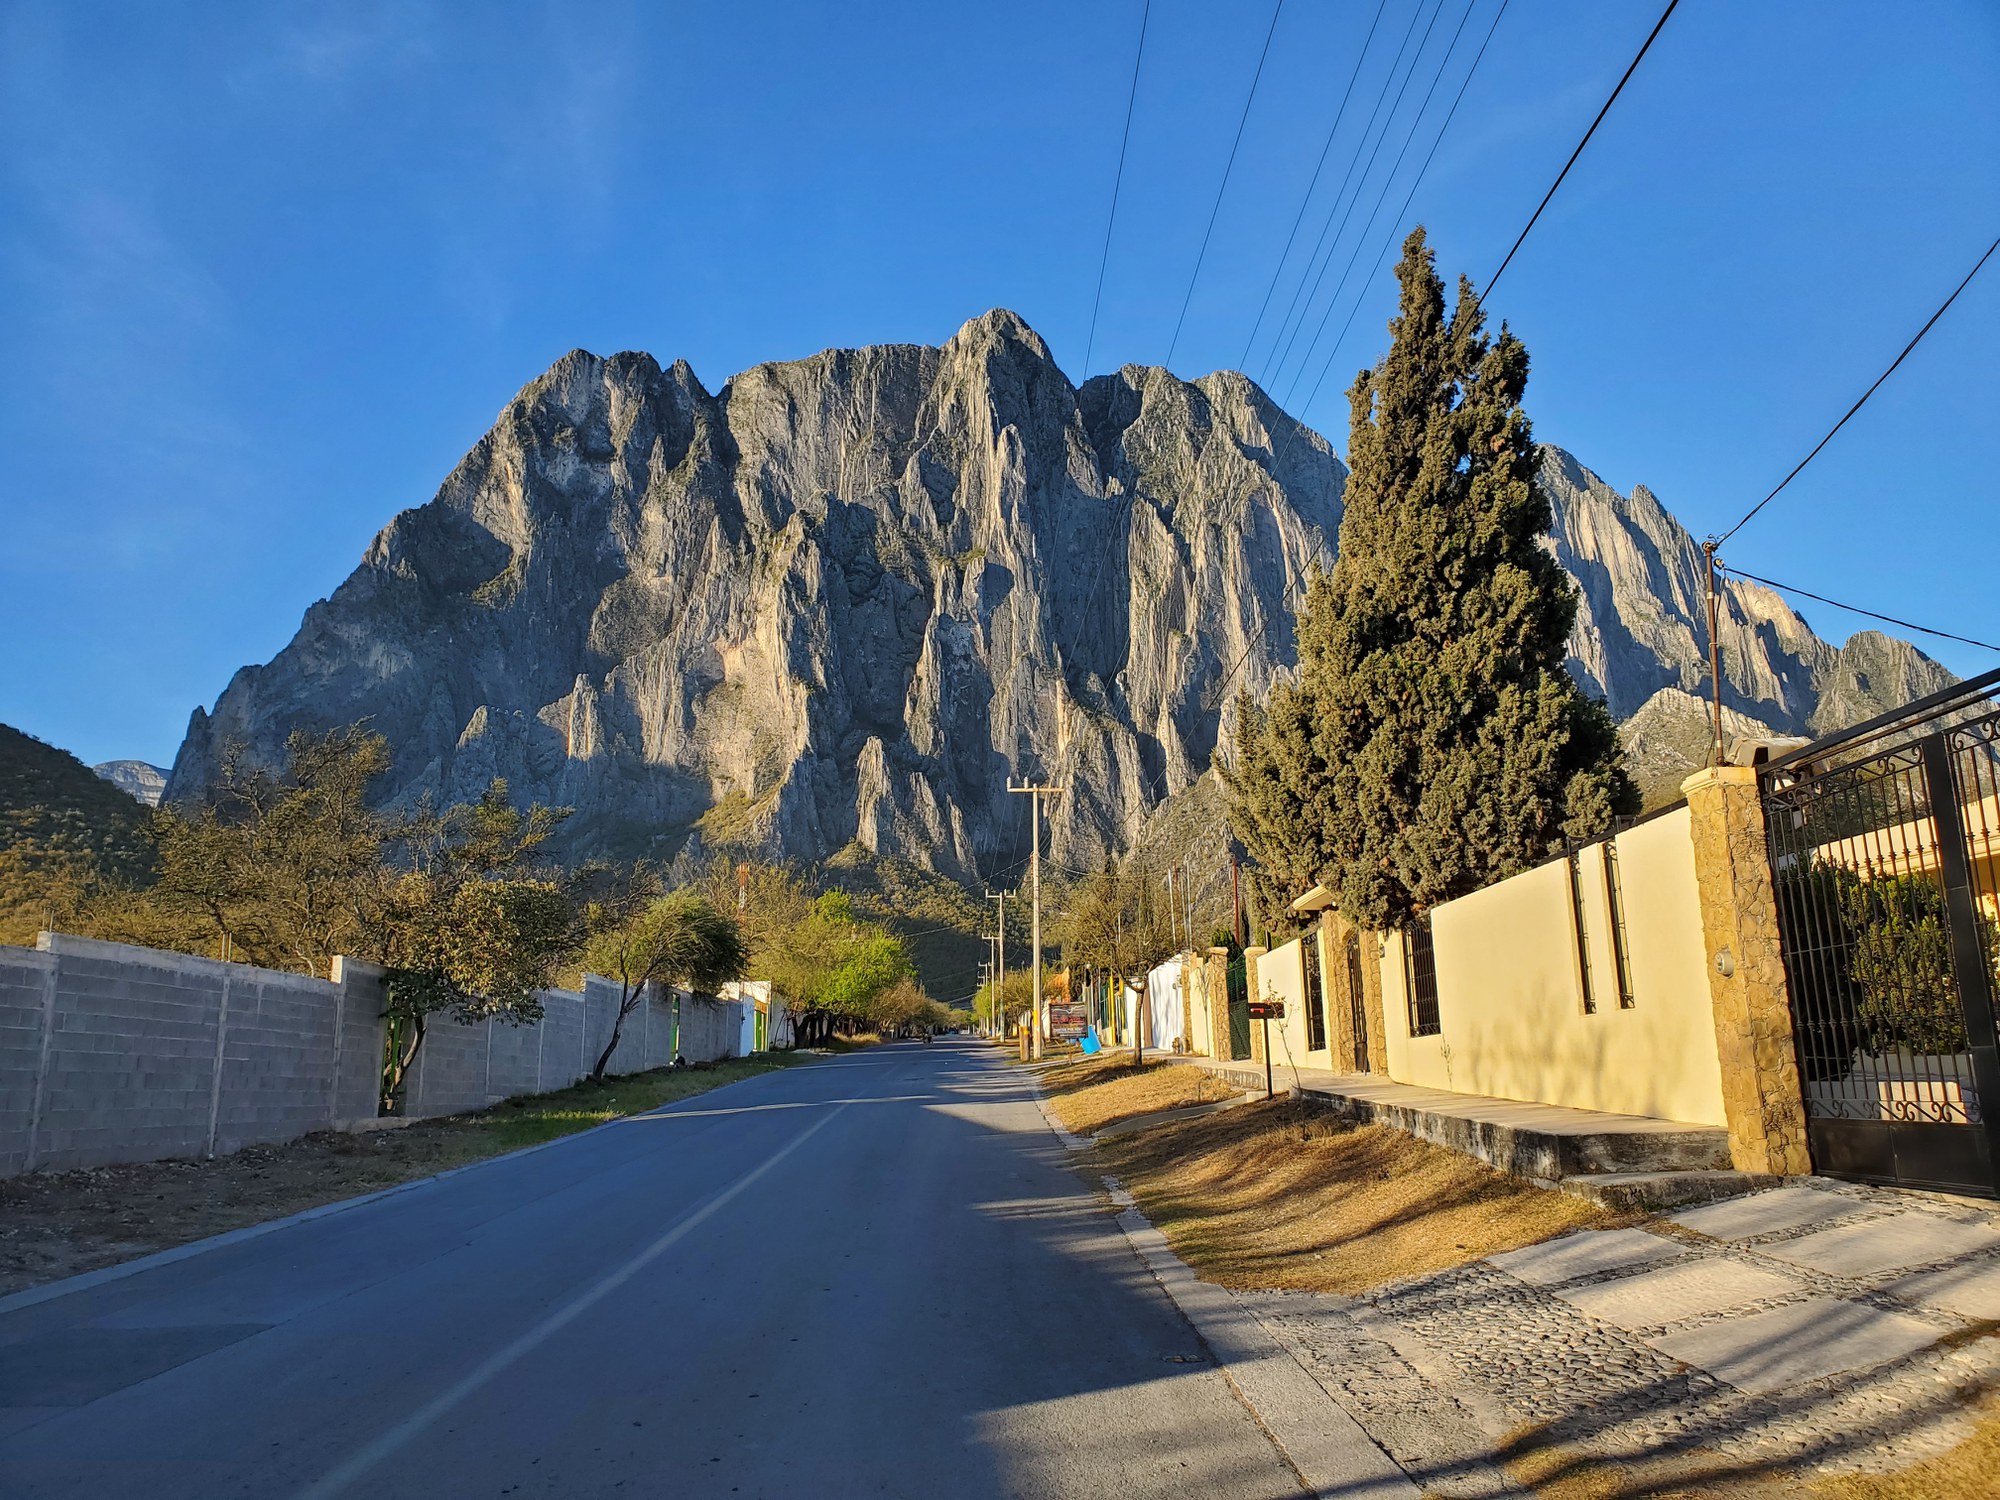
point(1000, 926)
point(1036, 793)
point(1714, 651)
point(1236, 898)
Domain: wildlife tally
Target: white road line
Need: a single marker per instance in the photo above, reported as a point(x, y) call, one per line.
point(401, 1434)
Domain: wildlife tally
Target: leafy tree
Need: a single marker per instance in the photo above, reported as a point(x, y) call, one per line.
point(1014, 997)
point(1116, 927)
point(825, 960)
point(1432, 742)
point(468, 925)
point(288, 866)
point(676, 939)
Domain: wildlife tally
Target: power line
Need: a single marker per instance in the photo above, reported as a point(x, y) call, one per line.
point(1495, 278)
point(1347, 271)
point(1229, 167)
point(1275, 366)
point(1361, 295)
point(1388, 78)
point(1278, 271)
point(1946, 635)
point(1117, 182)
point(1864, 396)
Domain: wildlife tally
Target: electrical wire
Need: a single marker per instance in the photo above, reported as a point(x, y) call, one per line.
point(1361, 294)
point(1409, 139)
point(1278, 271)
point(1301, 306)
point(1787, 588)
point(1117, 182)
point(1257, 77)
point(1494, 279)
point(1864, 396)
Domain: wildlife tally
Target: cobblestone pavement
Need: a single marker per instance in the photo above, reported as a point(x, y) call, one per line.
point(1824, 1326)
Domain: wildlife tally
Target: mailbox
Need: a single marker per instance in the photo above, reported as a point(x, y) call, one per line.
point(1267, 1010)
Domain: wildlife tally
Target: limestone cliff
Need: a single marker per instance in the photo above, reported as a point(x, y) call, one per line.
point(843, 599)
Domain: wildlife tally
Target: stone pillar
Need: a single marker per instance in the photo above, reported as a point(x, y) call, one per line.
point(1761, 1092)
point(1217, 971)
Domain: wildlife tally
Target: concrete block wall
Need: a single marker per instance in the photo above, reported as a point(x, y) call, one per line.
point(357, 1085)
point(111, 1053)
point(461, 1068)
point(26, 987)
point(710, 1030)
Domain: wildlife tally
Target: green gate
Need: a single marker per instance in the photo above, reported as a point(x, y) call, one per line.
point(1239, 1008)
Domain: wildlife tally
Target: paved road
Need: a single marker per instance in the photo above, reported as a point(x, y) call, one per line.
point(874, 1275)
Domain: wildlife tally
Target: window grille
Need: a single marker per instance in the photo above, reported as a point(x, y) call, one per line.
point(1420, 979)
point(1579, 927)
point(1315, 993)
point(1614, 898)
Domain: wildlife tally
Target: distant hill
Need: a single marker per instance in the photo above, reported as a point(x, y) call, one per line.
point(139, 778)
point(55, 811)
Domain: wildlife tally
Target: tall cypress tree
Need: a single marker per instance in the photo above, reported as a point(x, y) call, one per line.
point(1432, 742)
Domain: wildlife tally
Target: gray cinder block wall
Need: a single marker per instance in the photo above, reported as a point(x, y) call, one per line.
point(111, 1053)
point(462, 1068)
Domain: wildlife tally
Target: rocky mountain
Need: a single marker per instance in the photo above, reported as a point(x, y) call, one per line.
point(1641, 642)
point(841, 601)
point(135, 778)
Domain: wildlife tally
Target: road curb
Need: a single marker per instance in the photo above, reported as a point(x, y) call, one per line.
point(1322, 1441)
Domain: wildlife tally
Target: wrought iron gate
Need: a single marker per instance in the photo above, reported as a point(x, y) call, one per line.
point(1885, 858)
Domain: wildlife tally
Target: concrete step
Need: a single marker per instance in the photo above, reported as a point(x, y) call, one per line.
point(1648, 1192)
point(1545, 1143)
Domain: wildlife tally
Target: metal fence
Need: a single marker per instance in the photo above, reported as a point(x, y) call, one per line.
point(1883, 858)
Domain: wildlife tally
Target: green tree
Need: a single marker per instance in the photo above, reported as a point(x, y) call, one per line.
point(1116, 926)
point(287, 866)
point(676, 939)
point(468, 923)
point(1432, 742)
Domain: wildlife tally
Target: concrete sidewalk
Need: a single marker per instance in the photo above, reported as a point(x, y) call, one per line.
point(1818, 1326)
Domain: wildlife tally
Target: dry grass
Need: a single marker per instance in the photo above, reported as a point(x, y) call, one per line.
point(57, 1224)
point(1559, 1473)
point(1094, 1092)
point(1972, 1468)
point(1283, 1195)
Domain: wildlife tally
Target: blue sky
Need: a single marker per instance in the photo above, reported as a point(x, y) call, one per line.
point(266, 272)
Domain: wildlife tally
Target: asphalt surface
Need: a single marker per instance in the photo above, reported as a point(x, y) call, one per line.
point(873, 1275)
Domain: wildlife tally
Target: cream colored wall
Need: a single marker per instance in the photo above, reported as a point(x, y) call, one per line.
point(1281, 975)
point(1412, 1059)
point(1510, 989)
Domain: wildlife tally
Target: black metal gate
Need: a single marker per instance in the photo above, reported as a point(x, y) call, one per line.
point(1885, 857)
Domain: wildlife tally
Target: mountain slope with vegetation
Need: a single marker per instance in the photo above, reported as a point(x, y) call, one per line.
point(62, 827)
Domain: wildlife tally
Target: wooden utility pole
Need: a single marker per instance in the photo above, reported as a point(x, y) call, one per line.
point(1000, 963)
point(1236, 898)
point(1714, 653)
point(1036, 793)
